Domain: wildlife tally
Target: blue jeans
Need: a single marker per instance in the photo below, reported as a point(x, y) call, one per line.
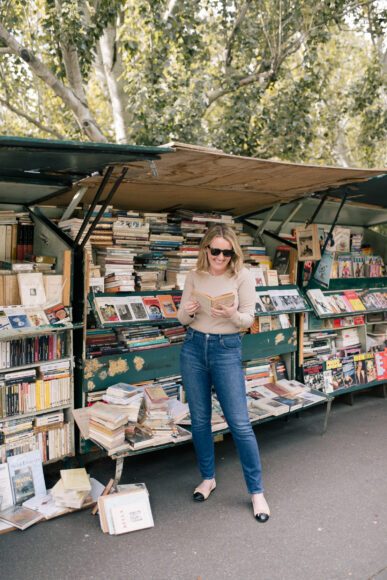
point(216, 360)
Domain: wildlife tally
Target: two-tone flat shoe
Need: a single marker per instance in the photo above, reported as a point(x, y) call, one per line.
point(261, 516)
point(201, 495)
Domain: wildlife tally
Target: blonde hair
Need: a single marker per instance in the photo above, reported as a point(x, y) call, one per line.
point(220, 231)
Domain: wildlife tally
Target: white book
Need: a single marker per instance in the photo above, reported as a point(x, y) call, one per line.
point(6, 497)
point(32, 460)
point(128, 512)
point(31, 288)
point(53, 286)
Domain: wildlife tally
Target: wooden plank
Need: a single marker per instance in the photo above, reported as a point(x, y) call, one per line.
point(208, 179)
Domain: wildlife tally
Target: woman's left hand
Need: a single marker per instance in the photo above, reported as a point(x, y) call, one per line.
point(224, 311)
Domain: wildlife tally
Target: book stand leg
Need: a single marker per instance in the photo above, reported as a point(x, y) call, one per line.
point(119, 468)
point(327, 413)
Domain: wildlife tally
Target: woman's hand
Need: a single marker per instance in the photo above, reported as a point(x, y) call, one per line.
point(191, 307)
point(224, 311)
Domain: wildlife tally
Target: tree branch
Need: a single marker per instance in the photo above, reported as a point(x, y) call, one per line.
point(241, 16)
point(79, 109)
point(71, 61)
point(30, 119)
point(260, 77)
point(168, 13)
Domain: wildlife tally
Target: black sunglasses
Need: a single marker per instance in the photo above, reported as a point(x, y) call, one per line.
point(218, 251)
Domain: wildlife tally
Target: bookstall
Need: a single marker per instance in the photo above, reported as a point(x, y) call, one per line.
point(92, 197)
point(342, 341)
point(141, 184)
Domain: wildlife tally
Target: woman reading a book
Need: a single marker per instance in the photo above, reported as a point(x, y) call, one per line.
point(217, 302)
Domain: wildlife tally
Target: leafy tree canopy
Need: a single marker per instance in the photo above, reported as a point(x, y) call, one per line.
point(298, 80)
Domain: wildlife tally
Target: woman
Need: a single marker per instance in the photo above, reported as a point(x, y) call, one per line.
point(211, 356)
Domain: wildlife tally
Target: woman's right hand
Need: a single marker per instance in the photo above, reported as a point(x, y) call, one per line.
point(191, 307)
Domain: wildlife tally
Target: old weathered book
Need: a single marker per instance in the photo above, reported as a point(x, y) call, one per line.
point(75, 479)
point(207, 301)
point(20, 517)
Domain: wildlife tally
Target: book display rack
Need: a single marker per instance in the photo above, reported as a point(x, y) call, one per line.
point(36, 344)
point(342, 351)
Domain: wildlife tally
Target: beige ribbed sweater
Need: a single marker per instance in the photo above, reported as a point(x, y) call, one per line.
point(243, 286)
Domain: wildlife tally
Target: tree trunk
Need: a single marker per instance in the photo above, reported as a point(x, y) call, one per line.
point(79, 108)
point(106, 53)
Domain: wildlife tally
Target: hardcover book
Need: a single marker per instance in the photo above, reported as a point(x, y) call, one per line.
point(20, 517)
point(207, 301)
point(23, 484)
point(31, 460)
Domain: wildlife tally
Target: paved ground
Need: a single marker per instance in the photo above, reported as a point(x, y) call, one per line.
point(328, 497)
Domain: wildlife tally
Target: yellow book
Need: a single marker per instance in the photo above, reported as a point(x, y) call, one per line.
point(39, 395)
point(47, 395)
point(207, 301)
point(75, 479)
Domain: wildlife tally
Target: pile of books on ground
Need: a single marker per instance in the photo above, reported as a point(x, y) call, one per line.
point(73, 488)
point(25, 499)
point(347, 301)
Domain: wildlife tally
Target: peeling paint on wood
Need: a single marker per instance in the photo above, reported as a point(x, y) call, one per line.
point(117, 367)
point(91, 368)
point(280, 337)
point(138, 362)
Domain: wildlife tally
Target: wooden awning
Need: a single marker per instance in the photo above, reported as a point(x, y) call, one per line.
point(205, 179)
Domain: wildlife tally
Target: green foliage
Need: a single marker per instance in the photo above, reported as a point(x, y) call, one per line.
point(285, 79)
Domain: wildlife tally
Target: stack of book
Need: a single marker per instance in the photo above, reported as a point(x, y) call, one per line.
point(16, 436)
point(130, 231)
point(103, 232)
point(347, 337)
point(73, 488)
point(156, 404)
point(120, 394)
point(258, 374)
point(53, 388)
point(18, 393)
point(107, 425)
point(256, 256)
point(71, 227)
point(117, 267)
point(103, 342)
point(53, 436)
point(142, 337)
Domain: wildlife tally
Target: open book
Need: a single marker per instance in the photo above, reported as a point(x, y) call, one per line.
point(207, 301)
